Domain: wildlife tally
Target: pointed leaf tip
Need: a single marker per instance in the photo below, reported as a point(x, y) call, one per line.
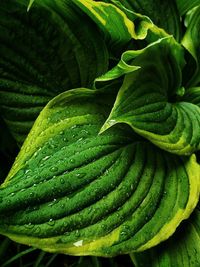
point(30, 5)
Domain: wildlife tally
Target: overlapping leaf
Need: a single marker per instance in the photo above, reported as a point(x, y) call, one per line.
point(184, 5)
point(149, 99)
point(76, 192)
point(163, 13)
point(43, 52)
point(181, 250)
point(191, 41)
point(119, 24)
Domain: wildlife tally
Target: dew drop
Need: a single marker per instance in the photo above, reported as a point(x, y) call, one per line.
point(29, 225)
point(78, 243)
point(62, 206)
point(53, 169)
point(62, 181)
point(12, 194)
point(77, 234)
point(45, 158)
point(80, 175)
point(31, 194)
point(51, 222)
point(27, 149)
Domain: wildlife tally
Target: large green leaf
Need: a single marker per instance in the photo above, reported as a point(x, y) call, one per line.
point(163, 13)
point(181, 250)
point(191, 41)
point(43, 52)
point(149, 99)
point(74, 191)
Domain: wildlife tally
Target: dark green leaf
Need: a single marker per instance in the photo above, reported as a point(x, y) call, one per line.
point(185, 5)
point(43, 52)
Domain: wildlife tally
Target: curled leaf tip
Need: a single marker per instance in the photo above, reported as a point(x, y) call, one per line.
point(30, 5)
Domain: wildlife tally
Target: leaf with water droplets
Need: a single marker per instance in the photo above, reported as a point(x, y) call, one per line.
point(102, 197)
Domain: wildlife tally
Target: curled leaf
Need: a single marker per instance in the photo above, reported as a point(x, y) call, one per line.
point(149, 102)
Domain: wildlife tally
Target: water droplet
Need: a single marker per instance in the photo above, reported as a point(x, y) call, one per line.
point(84, 131)
point(12, 194)
point(27, 149)
point(62, 181)
point(103, 226)
point(34, 185)
point(42, 134)
point(72, 160)
point(37, 230)
point(53, 169)
point(80, 175)
point(78, 243)
point(74, 126)
point(77, 234)
point(45, 158)
point(27, 171)
point(29, 225)
point(51, 222)
point(31, 194)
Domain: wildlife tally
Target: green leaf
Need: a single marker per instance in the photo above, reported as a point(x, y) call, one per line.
point(43, 52)
point(184, 5)
point(74, 191)
point(148, 99)
point(181, 250)
point(191, 41)
point(164, 14)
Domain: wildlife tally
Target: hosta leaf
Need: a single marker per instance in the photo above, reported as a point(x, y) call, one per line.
point(181, 250)
point(163, 13)
point(43, 52)
point(184, 5)
point(148, 99)
point(74, 191)
point(191, 41)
